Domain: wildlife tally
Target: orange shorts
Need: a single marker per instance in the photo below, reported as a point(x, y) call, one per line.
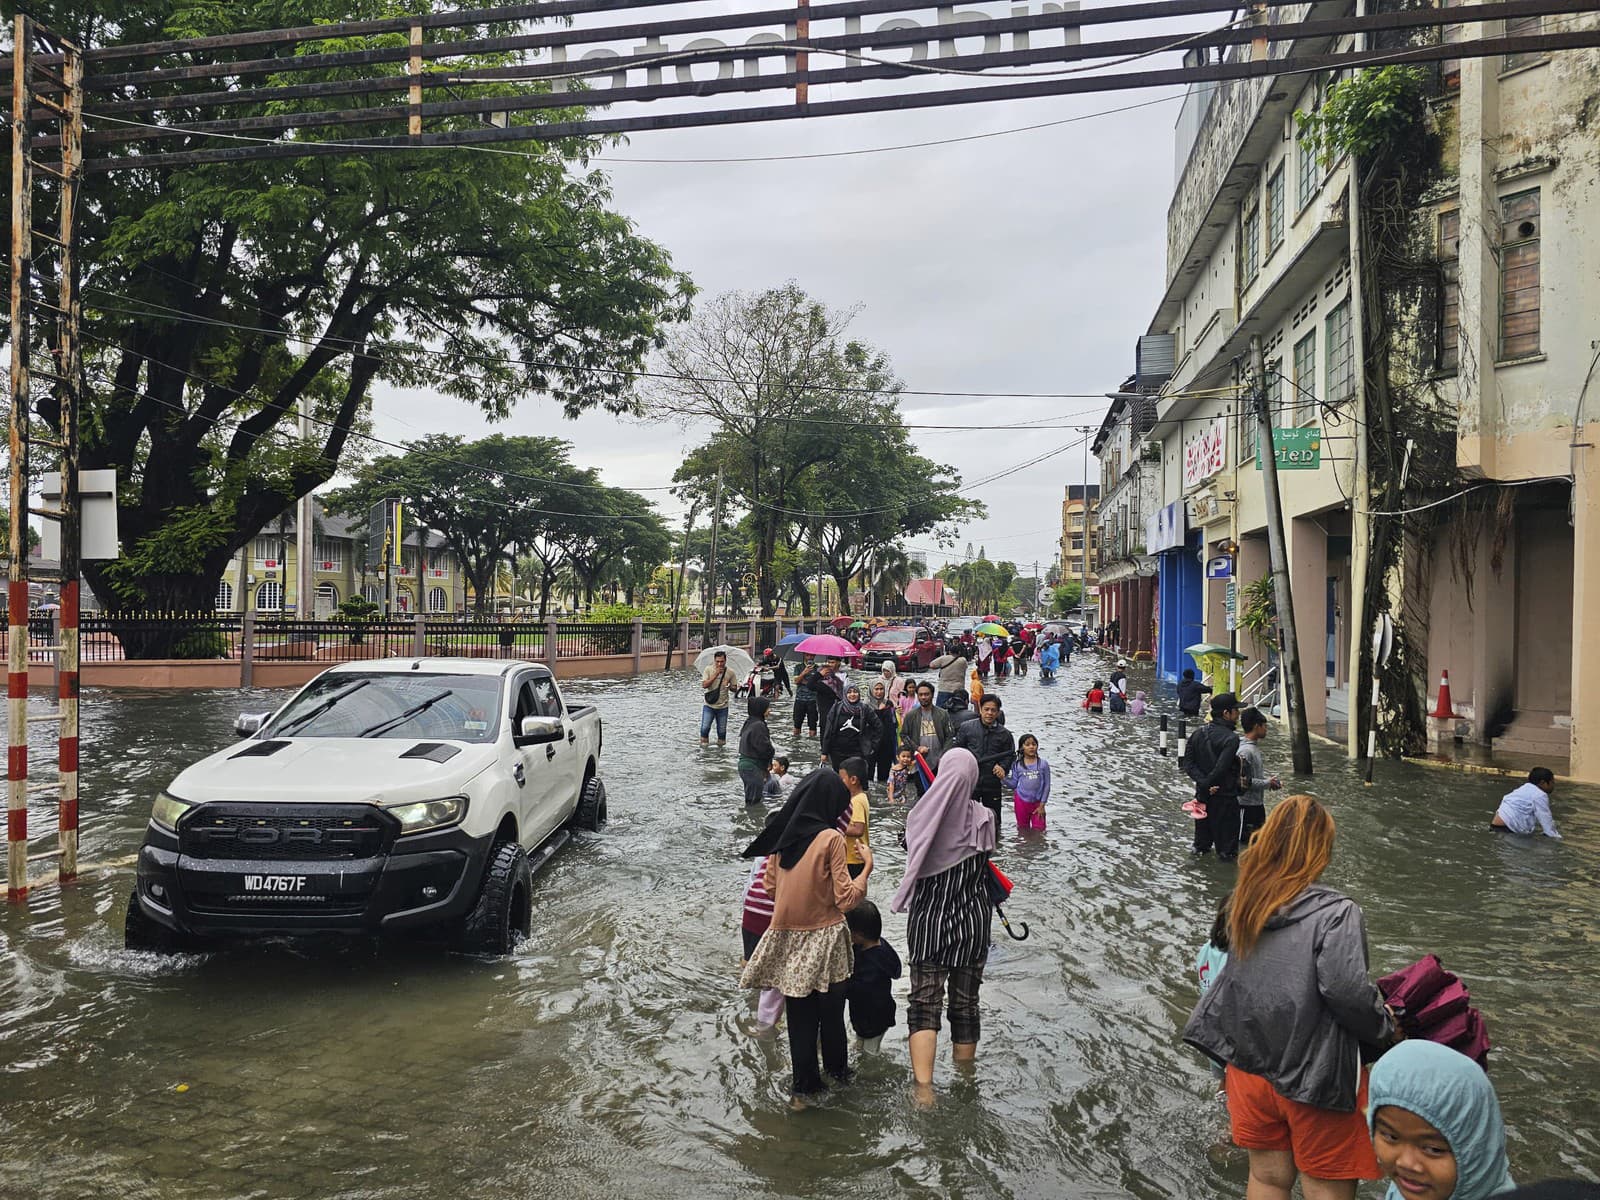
point(1325, 1144)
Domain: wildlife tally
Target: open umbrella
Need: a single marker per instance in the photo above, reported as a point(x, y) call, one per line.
point(858, 625)
point(1203, 648)
point(992, 629)
point(992, 617)
point(740, 664)
point(840, 623)
point(829, 646)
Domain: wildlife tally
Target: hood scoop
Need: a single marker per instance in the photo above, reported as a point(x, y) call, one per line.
point(261, 749)
point(438, 752)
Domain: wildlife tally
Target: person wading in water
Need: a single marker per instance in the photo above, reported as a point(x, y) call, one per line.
point(806, 952)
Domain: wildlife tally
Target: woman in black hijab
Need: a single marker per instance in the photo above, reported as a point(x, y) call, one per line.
point(805, 953)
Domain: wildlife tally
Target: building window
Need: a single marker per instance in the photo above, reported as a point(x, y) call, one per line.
point(1341, 354)
point(438, 559)
point(438, 600)
point(329, 554)
point(269, 596)
point(402, 600)
point(1449, 290)
point(1308, 171)
point(327, 596)
point(1523, 27)
point(267, 548)
point(224, 596)
point(1250, 244)
point(371, 594)
point(1305, 380)
point(1519, 274)
point(1275, 209)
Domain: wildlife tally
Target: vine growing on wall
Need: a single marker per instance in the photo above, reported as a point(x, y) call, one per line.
point(1380, 118)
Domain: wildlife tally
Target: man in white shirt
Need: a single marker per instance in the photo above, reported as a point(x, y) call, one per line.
point(1527, 809)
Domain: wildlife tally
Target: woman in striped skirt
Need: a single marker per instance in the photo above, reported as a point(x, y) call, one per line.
point(949, 837)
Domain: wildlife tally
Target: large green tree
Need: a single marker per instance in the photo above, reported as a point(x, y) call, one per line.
point(223, 300)
point(783, 388)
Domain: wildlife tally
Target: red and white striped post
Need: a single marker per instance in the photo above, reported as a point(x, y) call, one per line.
point(17, 569)
point(68, 395)
point(67, 750)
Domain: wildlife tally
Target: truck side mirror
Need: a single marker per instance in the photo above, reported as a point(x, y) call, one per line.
point(249, 724)
point(538, 730)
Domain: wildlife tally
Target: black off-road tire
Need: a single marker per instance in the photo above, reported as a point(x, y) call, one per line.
point(139, 932)
point(504, 911)
point(590, 815)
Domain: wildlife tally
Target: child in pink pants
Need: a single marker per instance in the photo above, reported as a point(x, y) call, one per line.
point(1030, 783)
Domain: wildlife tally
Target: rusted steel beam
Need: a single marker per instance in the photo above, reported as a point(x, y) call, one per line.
point(1482, 48)
point(1146, 10)
point(1385, 22)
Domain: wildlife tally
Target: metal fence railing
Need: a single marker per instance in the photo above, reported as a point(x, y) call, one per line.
point(269, 637)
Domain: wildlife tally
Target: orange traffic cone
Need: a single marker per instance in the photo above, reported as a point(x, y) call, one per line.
point(1443, 710)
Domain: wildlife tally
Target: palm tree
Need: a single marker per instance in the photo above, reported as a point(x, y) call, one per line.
point(893, 567)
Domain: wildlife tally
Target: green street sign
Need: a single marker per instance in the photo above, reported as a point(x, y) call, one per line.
point(1297, 449)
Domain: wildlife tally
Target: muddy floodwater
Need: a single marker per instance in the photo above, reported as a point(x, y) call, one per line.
point(612, 1055)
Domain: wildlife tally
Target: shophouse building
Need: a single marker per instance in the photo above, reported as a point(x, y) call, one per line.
point(1129, 491)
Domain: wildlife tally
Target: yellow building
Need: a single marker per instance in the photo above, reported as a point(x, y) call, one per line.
point(1080, 535)
point(269, 564)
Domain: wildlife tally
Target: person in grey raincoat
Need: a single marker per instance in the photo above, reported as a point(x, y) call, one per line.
point(1290, 1013)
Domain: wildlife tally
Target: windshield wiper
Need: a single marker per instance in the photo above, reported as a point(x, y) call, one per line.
point(402, 718)
point(318, 710)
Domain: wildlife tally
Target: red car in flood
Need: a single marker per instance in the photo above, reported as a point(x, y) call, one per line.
point(909, 648)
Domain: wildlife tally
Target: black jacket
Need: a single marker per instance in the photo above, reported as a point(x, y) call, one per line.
point(993, 746)
point(1212, 760)
point(911, 730)
point(849, 731)
point(1189, 693)
point(755, 742)
point(869, 990)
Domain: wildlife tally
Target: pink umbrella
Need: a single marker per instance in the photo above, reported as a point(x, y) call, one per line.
point(829, 646)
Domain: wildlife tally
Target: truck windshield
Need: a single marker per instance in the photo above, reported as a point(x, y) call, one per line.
point(409, 704)
point(895, 637)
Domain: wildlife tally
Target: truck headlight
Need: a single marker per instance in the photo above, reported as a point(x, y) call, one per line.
point(167, 810)
point(428, 814)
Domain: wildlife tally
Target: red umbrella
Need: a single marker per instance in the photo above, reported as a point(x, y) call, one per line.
point(991, 617)
point(828, 646)
point(841, 622)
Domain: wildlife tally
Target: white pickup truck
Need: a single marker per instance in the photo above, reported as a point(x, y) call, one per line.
point(388, 796)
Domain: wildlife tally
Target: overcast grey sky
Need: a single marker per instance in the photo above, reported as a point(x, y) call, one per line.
point(1024, 263)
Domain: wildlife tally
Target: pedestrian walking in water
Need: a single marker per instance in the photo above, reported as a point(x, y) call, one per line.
point(1117, 689)
point(870, 990)
point(1094, 700)
point(927, 727)
point(857, 823)
point(888, 718)
point(1212, 761)
point(952, 667)
point(850, 730)
point(715, 683)
point(893, 682)
point(948, 842)
point(1190, 692)
point(1254, 781)
point(805, 952)
point(755, 749)
point(1527, 808)
point(990, 743)
point(1296, 947)
point(1436, 1125)
point(1029, 781)
point(1137, 706)
point(829, 688)
point(754, 918)
point(805, 697)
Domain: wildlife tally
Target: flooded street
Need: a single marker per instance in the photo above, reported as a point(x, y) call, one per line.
point(612, 1056)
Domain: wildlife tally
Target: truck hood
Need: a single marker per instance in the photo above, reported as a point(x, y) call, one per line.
point(333, 771)
point(889, 647)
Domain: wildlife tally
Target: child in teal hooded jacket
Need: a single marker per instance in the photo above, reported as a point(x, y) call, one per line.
point(1436, 1125)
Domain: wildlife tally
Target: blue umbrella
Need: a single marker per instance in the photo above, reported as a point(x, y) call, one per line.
point(787, 644)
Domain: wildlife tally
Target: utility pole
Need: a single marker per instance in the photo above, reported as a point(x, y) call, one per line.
point(711, 561)
point(305, 586)
point(1294, 687)
point(1083, 595)
point(21, 405)
point(683, 579)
